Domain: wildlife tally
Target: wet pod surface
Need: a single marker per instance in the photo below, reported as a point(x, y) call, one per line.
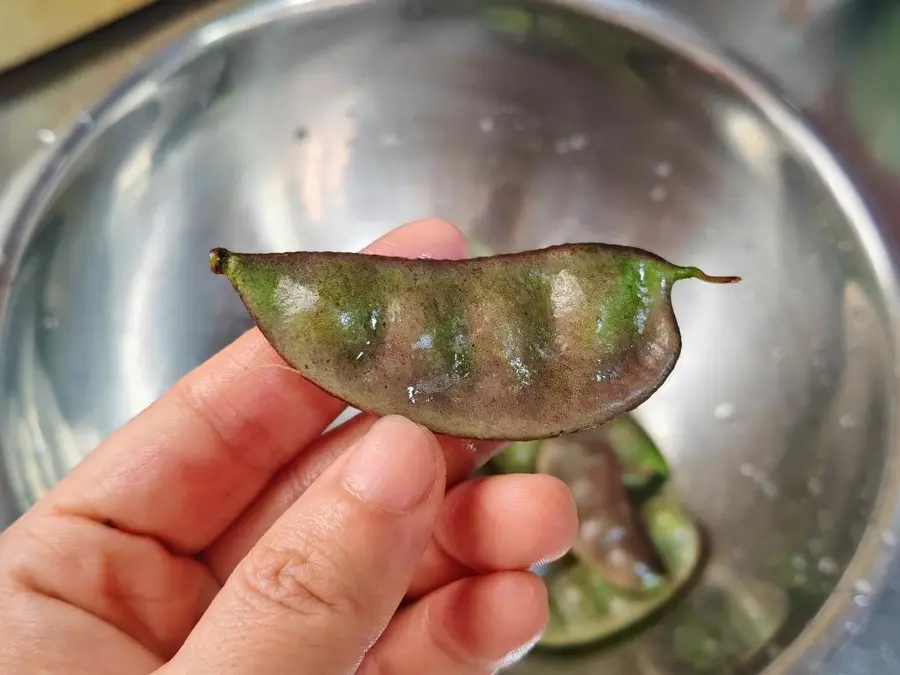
point(509, 347)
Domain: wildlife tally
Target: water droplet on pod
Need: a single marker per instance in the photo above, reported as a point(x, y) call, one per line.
point(847, 421)
point(828, 566)
point(663, 169)
point(724, 411)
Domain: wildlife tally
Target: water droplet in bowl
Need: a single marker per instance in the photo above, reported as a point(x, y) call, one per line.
point(815, 487)
point(828, 566)
point(659, 193)
point(46, 136)
point(663, 169)
point(84, 118)
point(486, 124)
point(769, 489)
point(578, 142)
point(847, 421)
point(853, 628)
point(863, 587)
point(724, 411)
point(889, 539)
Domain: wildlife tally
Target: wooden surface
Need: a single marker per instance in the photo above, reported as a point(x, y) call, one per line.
point(29, 28)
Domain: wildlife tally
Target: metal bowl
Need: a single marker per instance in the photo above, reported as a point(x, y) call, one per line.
point(323, 124)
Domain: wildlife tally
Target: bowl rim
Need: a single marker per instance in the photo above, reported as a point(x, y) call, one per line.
point(27, 194)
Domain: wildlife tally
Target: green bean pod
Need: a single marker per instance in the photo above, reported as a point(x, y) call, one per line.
point(518, 346)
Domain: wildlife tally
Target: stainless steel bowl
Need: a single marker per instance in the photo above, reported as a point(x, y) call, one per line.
point(321, 124)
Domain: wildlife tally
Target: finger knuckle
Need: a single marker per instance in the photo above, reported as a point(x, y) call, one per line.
point(377, 663)
point(230, 429)
point(301, 580)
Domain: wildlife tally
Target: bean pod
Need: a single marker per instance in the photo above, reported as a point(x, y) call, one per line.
point(515, 346)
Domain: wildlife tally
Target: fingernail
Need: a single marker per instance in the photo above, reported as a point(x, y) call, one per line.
point(393, 465)
point(517, 654)
point(543, 562)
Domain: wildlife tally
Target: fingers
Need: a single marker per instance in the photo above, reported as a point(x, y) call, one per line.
point(480, 527)
point(472, 627)
point(498, 523)
point(187, 466)
point(507, 522)
point(226, 552)
point(322, 583)
point(132, 584)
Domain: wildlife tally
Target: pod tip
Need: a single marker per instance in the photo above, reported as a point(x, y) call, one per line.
point(217, 259)
point(696, 273)
point(717, 280)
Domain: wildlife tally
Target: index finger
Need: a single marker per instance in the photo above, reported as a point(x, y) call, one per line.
point(188, 465)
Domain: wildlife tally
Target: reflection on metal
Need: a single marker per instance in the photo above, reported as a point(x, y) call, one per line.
point(722, 623)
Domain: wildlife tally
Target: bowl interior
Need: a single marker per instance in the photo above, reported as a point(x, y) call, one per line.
point(525, 127)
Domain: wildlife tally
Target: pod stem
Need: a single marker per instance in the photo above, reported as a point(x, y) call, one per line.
point(696, 273)
point(217, 259)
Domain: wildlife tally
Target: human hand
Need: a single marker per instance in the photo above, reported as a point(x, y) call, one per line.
point(221, 531)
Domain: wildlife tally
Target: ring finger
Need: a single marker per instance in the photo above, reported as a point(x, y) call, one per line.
point(474, 626)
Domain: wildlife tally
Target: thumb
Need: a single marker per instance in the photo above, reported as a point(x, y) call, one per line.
point(320, 586)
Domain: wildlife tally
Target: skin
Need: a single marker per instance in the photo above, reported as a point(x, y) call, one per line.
point(220, 532)
point(514, 347)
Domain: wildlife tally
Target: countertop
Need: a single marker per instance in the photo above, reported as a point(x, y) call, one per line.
point(28, 28)
point(832, 59)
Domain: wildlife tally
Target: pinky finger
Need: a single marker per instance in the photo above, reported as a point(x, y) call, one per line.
point(474, 626)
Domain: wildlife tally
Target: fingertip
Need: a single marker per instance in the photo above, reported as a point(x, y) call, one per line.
point(395, 465)
point(427, 237)
point(480, 521)
point(402, 429)
point(534, 614)
point(494, 618)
